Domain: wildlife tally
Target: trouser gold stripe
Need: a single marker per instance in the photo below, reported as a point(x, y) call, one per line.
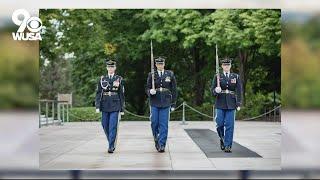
point(119, 117)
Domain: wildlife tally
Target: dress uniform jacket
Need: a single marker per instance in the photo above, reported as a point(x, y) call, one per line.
point(166, 89)
point(110, 98)
point(227, 100)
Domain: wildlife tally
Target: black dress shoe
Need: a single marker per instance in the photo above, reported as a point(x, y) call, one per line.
point(161, 149)
point(156, 145)
point(222, 144)
point(228, 150)
point(110, 150)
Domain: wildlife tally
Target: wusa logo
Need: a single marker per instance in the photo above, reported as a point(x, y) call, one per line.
point(33, 24)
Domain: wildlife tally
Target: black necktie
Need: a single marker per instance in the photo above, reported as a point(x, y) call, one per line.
point(227, 75)
point(161, 74)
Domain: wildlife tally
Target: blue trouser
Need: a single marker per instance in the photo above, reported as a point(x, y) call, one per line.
point(225, 125)
point(109, 121)
point(159, 124)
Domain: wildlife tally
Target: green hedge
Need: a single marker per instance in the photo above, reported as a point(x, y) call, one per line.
point(255, 106)
point(84, 114)
point(88, 114)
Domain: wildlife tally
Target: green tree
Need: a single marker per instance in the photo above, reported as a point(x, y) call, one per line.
point(186, 37)
point(244, 34)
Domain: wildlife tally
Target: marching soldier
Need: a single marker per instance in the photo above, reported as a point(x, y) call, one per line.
point(228, 99)
point(110, 101)
point(162, 99)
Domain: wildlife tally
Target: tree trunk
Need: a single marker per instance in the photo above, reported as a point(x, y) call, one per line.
point(199, 83)
point(140, 87)
point(243, 56)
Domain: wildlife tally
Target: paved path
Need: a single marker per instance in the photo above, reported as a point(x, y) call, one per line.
point(83, 146)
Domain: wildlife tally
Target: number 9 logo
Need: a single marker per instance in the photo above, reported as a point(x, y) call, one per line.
point(34, 24)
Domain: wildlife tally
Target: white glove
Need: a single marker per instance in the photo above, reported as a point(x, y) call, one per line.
point(153, 91)
point(218, 89)
point(97, 110)
point(238, 108)
point(121, 113)
point(116, 83)
point(172, 109)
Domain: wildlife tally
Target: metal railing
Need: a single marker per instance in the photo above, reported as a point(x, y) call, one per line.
point(270, 115)
point(55, 112)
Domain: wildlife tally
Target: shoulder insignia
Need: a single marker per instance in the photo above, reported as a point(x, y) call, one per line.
point(170, 72)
